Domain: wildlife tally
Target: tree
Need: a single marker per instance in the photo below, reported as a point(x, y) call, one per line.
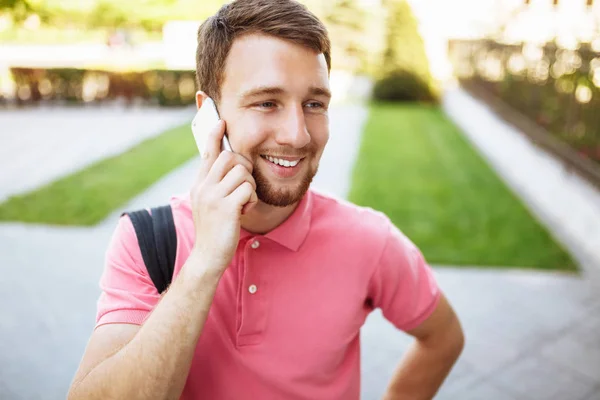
point(404, 71)
point(14, 4)
point(18, 9)
point(346, 22)
point(108, 14)
point(404, 45)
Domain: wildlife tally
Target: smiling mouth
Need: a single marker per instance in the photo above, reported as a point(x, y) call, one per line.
point(288, 163)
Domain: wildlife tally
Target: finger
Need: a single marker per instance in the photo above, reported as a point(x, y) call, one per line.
point(241, 195)
point(250, 204)
point(234, 178)
point(212, 149)
point(224, 163)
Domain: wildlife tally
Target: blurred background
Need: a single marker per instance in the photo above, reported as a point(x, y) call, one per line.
point(473, 124)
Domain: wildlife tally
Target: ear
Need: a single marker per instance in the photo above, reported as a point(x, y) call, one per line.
point(200, 97)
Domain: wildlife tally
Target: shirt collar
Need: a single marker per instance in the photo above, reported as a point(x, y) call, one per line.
point(291, 233)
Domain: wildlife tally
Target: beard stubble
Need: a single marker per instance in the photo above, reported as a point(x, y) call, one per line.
point(269, 194)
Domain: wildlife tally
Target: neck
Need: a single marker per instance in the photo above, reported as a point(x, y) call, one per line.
point(263, 218)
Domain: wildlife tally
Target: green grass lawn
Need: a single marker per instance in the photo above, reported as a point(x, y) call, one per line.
point(88, 196)
point(415, 166)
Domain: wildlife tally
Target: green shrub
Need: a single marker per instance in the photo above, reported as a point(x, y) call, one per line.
point(67, 82)
point(403, 86)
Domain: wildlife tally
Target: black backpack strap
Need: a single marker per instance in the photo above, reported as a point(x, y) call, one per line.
point(157, 239)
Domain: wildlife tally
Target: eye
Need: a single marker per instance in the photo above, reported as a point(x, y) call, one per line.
point(267, 104)
point(316, 107)
point(314, 104)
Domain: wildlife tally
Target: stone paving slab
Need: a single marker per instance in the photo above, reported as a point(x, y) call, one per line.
point(39, 145)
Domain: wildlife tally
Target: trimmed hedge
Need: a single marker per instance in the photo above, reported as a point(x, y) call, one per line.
point(558, 89)
point(79, 86)
point(403, 86)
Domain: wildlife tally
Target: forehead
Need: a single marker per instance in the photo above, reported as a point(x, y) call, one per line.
point(261, 60)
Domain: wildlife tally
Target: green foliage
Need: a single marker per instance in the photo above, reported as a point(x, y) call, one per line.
point(107, 14)
point(345, 20)
point(404, 71)
point(142, 14)
point(403, 86)
point(404, 46)
point(19, 9)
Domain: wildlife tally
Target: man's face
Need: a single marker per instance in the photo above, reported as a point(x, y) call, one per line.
point(274, 98)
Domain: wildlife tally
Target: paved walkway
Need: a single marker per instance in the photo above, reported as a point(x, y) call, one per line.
point(39, 145)
point(529, 335)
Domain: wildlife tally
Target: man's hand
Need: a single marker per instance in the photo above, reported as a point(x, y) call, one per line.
point(439, 342)
point(224, 190)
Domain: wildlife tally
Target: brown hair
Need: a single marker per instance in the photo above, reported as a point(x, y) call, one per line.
point(284, 19)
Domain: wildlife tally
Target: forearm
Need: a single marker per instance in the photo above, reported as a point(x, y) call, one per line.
point(423, 369)
point(156, 362)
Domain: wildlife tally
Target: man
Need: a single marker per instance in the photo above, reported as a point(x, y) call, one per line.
point(272, 281)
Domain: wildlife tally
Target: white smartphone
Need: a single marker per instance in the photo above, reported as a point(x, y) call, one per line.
point(205, 120)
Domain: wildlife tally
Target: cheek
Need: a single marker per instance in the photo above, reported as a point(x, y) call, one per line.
point(319, 132)
point(247, 134)
point(323, 138)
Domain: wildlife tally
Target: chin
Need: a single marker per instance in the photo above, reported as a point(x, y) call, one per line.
point(281, 194)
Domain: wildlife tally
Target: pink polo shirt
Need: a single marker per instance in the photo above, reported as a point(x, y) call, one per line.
point(286, 315)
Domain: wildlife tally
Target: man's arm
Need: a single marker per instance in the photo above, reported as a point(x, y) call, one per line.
point(152, 361)
point(427, 363)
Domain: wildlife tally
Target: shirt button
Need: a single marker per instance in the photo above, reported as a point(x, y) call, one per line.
point(252, 289)
point(255, 244)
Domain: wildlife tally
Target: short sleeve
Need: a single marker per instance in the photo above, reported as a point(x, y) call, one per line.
point(403, 285)
point(128, 294)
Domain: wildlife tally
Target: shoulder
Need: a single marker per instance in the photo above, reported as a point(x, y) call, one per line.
point(127, 290)
point(350, 221)
point(123, 244)
point(182, 212)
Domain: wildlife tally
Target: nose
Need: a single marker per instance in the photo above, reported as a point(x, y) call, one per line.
point(293, 131)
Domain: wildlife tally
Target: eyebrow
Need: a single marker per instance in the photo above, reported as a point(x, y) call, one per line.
point(274, 90)
point(320, 91)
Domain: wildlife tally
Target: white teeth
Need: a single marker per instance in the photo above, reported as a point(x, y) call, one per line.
point(283, 163)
